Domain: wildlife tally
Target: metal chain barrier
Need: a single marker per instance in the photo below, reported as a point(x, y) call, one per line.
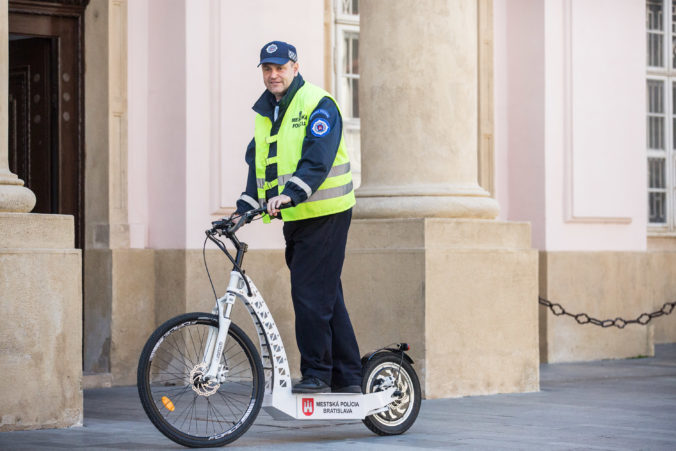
point(583, 318)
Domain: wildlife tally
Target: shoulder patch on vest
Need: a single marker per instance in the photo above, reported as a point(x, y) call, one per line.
point(319, 112)
point(319, 127)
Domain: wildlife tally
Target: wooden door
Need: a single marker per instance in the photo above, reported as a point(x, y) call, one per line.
point(33, 147)
point(46, 113)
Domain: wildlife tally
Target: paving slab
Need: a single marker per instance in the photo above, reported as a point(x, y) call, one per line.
point(604, 405)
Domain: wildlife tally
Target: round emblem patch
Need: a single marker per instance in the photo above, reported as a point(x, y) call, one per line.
point(272, 48)
point(319, 127)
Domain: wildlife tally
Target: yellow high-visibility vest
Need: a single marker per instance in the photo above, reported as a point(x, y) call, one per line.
point(335, 194)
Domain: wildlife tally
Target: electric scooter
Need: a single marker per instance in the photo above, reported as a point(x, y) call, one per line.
point(202, 381)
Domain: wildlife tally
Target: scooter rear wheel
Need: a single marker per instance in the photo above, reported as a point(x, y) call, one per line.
point(381, 372)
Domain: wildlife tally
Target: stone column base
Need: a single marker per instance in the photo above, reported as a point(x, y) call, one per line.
point(119, 311)
point(467, 200)
point(16, 198)
point(426, 206)
point(462, 293)
point(41, 311)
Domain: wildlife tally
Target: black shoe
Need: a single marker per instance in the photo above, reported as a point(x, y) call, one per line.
point(310, 384)
point(347, 389)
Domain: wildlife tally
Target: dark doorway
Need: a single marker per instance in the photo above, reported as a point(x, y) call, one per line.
point(46, 120)
point(33, 111)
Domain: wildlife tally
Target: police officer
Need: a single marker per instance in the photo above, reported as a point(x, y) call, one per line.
point(298, 159)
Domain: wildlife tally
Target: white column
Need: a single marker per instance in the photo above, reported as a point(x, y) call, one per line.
point(419, 106)
point(14, 197)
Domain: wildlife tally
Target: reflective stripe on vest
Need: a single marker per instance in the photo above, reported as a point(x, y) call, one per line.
point(335, 194)
point(336, 170)
point(249, 200)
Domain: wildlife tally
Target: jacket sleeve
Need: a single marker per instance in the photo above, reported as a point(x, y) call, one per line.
point(320, 147)
point(249, 198)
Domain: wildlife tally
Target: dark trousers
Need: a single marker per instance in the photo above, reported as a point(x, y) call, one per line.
point(315, 250)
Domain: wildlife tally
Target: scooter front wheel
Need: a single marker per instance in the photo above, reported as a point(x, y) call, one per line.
point(180, 403)
point(381, 372)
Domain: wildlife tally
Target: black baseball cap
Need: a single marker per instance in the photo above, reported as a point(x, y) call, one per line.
point(278, 52)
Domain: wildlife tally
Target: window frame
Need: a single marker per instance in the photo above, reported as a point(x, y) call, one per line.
point(343, 24)
point(666, 74)
point(342, 17)
point(350, 123)
point(666, 58)
point(664, 154)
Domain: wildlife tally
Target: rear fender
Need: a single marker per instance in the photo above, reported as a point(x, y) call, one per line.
point(395, 352)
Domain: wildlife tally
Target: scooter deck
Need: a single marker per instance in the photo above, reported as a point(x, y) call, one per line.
point(326, 406)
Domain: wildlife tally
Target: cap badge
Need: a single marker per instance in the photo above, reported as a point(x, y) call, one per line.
point(272, 48)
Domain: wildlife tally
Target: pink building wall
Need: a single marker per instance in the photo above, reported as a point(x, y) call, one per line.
point(192, 82)
point(569, 115)
point(520, 113)
point(570, 121)
point(137, 128)
point(166, 123)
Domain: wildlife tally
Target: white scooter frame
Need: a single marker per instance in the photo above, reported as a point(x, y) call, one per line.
point(279, 401)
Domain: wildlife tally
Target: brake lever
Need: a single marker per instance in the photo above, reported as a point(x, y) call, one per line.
point(221, 225)
point(239, 224)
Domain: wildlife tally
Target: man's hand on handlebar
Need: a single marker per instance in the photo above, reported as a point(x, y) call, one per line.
point(276, 203)
point(236, 220)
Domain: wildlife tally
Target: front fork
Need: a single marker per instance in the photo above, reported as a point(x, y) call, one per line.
point(216, 339)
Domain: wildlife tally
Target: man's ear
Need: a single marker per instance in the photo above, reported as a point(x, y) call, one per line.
point(295, 69)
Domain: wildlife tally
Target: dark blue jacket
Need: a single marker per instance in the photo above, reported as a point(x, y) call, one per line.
point(317, 155)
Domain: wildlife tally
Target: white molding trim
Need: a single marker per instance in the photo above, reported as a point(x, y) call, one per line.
point(486, 90)
point(216, 203)
point(570, 215)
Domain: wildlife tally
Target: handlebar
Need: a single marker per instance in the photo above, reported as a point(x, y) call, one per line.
point(228, 226)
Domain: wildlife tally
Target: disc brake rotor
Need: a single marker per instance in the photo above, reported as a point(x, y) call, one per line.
point(199, 386)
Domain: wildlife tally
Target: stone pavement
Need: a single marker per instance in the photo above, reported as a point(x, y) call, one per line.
point(612, 405)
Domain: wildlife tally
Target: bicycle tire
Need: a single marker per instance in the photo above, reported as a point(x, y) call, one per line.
point(167, 383)
point(402, 412)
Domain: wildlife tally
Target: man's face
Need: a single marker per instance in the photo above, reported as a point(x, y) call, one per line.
point(278, 78)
